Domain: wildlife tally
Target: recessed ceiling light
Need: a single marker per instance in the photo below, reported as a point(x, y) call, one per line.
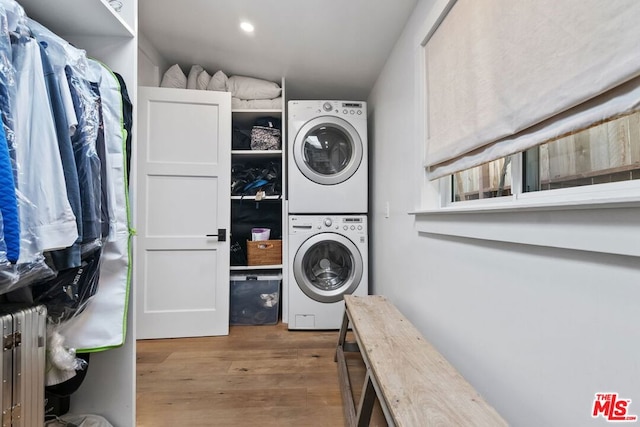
point(246, 26)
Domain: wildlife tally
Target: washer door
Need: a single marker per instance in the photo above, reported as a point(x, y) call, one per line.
point(328, 150)
point(327, 266)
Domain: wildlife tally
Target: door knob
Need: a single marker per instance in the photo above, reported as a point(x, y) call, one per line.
point(222, 235)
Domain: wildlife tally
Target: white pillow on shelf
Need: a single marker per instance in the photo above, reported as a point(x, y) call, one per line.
point(193, 76)
point(203, 80)
point(218, 82)
point(174, 77)
point(251, 88)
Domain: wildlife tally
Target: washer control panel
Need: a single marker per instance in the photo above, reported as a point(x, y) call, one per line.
point(353, 224)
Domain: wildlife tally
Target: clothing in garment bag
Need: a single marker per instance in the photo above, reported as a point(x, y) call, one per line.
point(48, 222)
point(68, 257)
point(102, 325)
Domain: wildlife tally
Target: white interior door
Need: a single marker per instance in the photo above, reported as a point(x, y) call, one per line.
point(183, 199)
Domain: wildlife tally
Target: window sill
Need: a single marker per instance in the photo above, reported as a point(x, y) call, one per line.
point(610, 225)
point(532, 206)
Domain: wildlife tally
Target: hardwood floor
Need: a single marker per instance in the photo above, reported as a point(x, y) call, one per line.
point(258, 375)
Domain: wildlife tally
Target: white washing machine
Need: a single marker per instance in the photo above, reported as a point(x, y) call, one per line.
point(327, 157)
point(328, 258)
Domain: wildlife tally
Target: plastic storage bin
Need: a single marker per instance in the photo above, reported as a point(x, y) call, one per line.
point(260, 234)
point(255, 299)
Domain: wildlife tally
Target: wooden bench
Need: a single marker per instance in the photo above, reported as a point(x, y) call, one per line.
point(414, 383)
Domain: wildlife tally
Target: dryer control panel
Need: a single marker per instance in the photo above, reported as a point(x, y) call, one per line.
point(354, 109)
point(312, 224)
point(345, 108)
point(342, 108)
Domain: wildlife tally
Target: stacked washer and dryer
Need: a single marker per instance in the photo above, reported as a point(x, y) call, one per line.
point(327, 206)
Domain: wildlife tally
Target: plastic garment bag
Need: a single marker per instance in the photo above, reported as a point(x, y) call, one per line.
point(103, 324)
point(70, 291)
point(68, 257)
point(82, 110)
point(31, 265)
point(47, 221)
point(84, 139)
point(8, 200)
point(81, 102)
point(66, 296)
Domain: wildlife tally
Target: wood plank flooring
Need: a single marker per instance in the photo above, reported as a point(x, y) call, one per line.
point(258, 375)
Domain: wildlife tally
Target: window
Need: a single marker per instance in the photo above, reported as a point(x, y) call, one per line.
point(532, 123)
point(486, 181)
point(606, 153)
point(609, 152)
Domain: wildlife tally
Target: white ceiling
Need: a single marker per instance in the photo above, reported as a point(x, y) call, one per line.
point(326, 49)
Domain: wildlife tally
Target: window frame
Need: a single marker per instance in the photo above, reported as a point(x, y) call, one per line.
point(613, 193)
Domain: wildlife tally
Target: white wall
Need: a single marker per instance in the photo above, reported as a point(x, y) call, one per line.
point(151, 65)
point(537, 330)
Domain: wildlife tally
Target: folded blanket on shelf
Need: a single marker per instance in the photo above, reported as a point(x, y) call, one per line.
point(256, 104)
point(251, 88)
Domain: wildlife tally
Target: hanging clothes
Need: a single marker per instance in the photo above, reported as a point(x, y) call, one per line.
point(80, 102)
point(84, 139)
point(68, 257)
point(8, 202)
point(67, 125)
point(48, 222)
point(101, 150)
point(31, 264)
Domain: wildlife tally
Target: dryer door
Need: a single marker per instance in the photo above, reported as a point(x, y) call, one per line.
point(328, 150)
point(328, 266)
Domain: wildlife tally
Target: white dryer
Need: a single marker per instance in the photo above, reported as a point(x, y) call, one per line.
point(328, 258)
point(327, 157)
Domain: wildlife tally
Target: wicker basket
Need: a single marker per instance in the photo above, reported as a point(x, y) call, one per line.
point(264, 252)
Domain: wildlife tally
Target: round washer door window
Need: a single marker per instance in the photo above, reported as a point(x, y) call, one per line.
point(328, 150)
point(328, 266)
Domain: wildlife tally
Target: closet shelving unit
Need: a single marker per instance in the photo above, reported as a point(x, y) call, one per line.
point(244, 118)
point(256, 155)
point(110, 37)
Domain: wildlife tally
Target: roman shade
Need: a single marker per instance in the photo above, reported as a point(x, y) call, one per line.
point(503, 76)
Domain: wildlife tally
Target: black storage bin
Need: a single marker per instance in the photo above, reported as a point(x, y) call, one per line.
point(254, 299)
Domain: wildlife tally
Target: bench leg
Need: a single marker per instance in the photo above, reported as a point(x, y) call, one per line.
point(343, 334)
point(367, 400)
point(345, 390)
